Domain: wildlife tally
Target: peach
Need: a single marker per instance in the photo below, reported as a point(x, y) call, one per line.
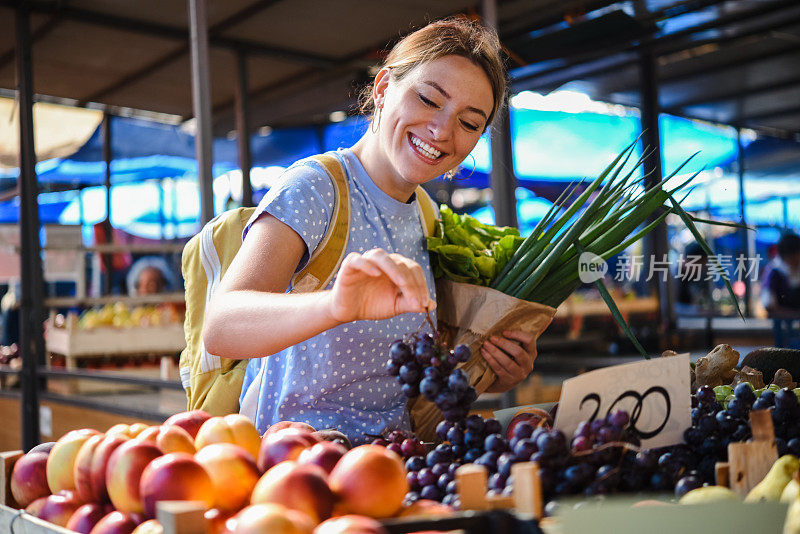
point(151, 526)
point(29, 478)
point(82, 469)
point(233, 472)
point(426, 508)
point(280, 425)
point(149, 434)
point(128, 430)
point(298, 487)
point(123, 472)
point(61, 460)
point(168, 438)
point(99, 464)
point(116, 523)
point(45, 447)
point(87, 516)
point(272, 518)
point(218, 522)
point(281, 446)
point(174, 477)
point(190, 421)
point(35, 508)
point(174, 439)
point(325, 455)
point(58, 509)
point(370, 480)
point(350, 524)
point(234, 428)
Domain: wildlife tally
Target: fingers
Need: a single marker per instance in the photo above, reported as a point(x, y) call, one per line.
point(505, 367)
point(403, 272)
point(525, 338)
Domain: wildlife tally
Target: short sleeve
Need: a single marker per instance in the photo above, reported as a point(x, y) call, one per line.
point(303, 199)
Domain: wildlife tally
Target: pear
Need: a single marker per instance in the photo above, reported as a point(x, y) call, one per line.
point(792, 524)
point(779, 475)
point(790, 492)
point(708, 494)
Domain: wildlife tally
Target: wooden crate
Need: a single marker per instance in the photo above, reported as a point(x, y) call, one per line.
point(73, 342)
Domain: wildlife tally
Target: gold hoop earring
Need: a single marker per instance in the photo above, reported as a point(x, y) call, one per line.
point(451, 174)
point(376, 124)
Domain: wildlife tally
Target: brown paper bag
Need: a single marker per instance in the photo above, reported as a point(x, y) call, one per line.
point(469, 314)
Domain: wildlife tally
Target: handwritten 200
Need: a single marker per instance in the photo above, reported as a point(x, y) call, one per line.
point(636, 412)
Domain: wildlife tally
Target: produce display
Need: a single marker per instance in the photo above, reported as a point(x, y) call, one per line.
point(119, 315)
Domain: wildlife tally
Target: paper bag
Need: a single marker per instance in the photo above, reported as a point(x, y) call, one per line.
point(469, 314)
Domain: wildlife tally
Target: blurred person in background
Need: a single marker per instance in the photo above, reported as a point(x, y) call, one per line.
point(693, 289)
point(780, 292)
point(150, 275)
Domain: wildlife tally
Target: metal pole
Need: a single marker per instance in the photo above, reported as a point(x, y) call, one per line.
point(785, 202)
point(656, 242)
point(201, 101)
point(108, 259)
point(502, 177)
point(243, 129)
point(748, 288)
point(31, 332)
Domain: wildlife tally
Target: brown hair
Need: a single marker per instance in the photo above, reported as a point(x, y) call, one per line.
point(457, 36)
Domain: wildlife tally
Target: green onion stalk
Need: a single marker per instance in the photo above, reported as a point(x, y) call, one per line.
point(612, 212)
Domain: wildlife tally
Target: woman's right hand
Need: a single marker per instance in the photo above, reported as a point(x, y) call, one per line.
point(378, 285)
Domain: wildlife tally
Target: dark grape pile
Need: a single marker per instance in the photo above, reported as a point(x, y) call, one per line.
point(423, 366)
point(401, 443)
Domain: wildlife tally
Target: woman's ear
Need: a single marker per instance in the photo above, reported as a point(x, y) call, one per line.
point(380, 86)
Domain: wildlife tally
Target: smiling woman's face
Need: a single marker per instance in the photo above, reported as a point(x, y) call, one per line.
point(432, 117)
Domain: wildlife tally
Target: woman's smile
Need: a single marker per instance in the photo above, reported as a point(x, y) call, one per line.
point(425, 151)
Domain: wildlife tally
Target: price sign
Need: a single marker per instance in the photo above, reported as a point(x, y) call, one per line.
point(655, 393)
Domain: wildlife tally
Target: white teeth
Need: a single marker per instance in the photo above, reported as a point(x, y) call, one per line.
point(426, 149)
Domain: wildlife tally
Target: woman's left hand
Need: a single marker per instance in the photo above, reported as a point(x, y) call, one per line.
point(510, 357)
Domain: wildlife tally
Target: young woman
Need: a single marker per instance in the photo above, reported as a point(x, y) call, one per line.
point(320, 357)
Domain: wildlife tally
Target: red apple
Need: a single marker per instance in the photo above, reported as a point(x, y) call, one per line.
point(82, 469)
point(29, 478)
point(325, 455)
point(35, 508)
point(61, 460)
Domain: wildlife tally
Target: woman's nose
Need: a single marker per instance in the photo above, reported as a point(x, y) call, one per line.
point(440, 127)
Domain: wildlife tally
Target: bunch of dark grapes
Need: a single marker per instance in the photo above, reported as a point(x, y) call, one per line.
point(423, 366)
point(403, 444)
point(467, 440)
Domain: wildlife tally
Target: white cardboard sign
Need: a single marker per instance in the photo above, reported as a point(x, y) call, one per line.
point(655, 393)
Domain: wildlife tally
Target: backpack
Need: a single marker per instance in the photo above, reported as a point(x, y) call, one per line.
point(213, 383)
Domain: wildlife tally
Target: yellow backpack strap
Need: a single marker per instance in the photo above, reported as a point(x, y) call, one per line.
point(325, 260)
point(427, 211)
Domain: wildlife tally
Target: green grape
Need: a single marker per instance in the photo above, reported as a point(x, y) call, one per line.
point(759, 391)
point(774, 387)
point(722, 392)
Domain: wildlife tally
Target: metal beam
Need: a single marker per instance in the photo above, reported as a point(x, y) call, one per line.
point(214, 38)
point(768, 114)
point(243, 129)
point(748, 289)
point(40, 33)
point(108, 259)
point(31, 316)
point(656, 243)
point(657, 42)
point(201, 103)
point(734, 94)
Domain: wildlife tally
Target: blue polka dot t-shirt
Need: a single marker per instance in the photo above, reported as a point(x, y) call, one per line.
point(337, 379)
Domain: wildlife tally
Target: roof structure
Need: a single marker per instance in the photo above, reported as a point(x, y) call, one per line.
point(734, 61)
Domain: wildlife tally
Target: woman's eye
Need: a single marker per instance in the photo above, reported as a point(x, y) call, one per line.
point(427, 101)
point(469, 126)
